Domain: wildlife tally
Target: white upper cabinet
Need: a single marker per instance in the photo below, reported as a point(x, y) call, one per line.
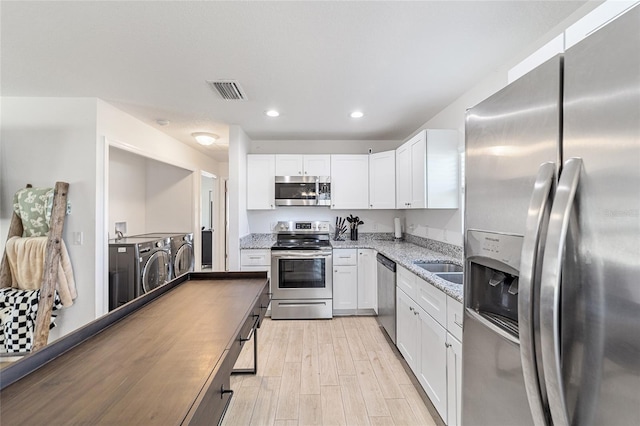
point(317, 165)
point(403, 177)
point(299, 165)
point(350, 181)
point(260, 181)
point(382, 180)
point(427, 171)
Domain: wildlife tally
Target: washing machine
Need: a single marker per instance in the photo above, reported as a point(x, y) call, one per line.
point(137, 265)
point(182, 258)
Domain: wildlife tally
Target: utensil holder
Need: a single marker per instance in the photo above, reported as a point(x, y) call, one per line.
point(354, 234)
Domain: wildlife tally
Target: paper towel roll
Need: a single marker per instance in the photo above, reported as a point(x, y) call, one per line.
point(397, 228)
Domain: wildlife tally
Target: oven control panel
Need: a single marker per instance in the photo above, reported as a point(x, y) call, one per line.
point(306, 226)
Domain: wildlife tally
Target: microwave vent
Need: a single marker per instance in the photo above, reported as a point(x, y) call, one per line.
point(228, 89)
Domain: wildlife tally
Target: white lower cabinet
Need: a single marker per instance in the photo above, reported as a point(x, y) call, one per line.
point(432, 361)
point(454, 381)
point(431, 350)
point(407, 337)
point(354, 281)
point(255, 260)
point(367, 280)
point(345, 288)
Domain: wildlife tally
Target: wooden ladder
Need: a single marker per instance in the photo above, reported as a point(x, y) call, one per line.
point(52, 259)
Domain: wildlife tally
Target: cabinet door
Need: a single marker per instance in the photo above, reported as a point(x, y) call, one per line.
point(443, 181)
point(432, 362)
point(403, 177)
point(260, 182)
point(317, 165)
point(345, 288)
point(407, 326)
point(367, 283)
point(350, 181)
point(382, 180)
point(418, 150)
point(454, 381)
point(288, 165)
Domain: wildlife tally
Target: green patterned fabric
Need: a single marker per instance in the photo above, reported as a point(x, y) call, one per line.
point(33, 206)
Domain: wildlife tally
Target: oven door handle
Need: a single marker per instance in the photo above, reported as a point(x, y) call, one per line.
point(299, 254)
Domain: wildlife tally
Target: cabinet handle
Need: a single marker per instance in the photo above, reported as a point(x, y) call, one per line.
point(447, 344)
point(416, 312)
point(370, 205)
point(411, 308)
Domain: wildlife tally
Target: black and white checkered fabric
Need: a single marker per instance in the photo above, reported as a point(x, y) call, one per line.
point(18, 309)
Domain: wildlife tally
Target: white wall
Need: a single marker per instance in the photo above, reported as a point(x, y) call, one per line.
point(239, 144)
point(446, 225)
point(262, 221)
point(127, 191)
point(169, 198)
point(45, 140)
point(128, 133)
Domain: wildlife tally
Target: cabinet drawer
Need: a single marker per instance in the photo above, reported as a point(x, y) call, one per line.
point(345, 257)
point(432, 300)
point(454, 317)
point(406, 280)
point(255, 257)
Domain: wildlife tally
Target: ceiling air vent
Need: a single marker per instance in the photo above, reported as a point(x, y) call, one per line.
point(228, 89)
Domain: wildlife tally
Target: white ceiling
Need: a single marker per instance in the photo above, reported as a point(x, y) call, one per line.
point(399, 62)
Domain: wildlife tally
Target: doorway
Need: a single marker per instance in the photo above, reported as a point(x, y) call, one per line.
point(209, 194)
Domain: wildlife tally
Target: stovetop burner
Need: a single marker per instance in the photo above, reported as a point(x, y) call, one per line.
point(302, 236)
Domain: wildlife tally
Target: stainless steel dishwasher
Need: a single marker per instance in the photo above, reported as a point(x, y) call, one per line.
point(387, 295)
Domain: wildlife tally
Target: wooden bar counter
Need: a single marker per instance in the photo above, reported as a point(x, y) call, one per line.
point(164, 358)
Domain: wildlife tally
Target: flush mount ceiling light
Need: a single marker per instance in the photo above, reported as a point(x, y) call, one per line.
point(357, 114)
point(272, 113)
point(204, 138)
point(162, 122)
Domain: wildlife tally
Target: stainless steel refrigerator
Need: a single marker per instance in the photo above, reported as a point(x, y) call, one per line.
point(552, 241)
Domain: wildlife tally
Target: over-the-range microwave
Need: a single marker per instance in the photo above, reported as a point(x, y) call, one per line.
point(303, 190)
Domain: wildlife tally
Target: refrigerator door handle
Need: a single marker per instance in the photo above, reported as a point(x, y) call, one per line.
point(539, 207)
point(550, 289)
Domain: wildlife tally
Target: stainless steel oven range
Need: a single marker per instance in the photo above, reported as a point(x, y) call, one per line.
point(301, 271)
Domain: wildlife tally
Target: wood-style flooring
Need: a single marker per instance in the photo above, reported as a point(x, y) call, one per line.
point(325, 372)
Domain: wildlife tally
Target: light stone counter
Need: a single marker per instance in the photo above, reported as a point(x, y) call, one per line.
point(404, 253)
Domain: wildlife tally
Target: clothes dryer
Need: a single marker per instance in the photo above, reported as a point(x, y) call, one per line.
point(137, 265)
point(182, 257)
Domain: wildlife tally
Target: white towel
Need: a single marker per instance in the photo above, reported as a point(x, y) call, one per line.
point(26, 257)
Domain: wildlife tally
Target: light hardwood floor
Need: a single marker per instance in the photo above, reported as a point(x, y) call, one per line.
point(324, 372)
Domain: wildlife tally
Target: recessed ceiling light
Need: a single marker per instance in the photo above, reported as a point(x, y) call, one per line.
point(357, 114)
point(272, 113)
point(204, 138)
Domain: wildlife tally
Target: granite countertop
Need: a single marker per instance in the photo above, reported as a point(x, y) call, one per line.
point(404, 253)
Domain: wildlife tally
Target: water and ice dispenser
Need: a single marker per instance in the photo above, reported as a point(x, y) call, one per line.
point(492, 269)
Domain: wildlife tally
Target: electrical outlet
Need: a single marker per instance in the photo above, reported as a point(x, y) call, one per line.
point(68, 207)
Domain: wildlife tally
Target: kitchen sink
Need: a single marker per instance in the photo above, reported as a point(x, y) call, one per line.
point(452, 277)
point(439, 267)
